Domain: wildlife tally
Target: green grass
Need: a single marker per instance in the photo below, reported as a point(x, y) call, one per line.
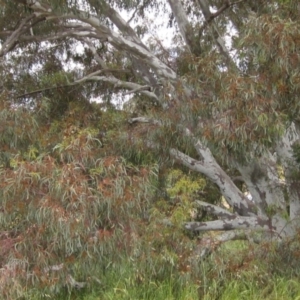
point(275, 289)
point(127, 283)
point(237, 271)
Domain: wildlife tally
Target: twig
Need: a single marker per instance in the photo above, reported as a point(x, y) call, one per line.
point(73, 83)
point(214, 15)
point(139, 89)
point(43, 90)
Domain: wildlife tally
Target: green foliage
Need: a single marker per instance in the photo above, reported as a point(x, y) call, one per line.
point(70, 206)
point(180, 184)
point(83, 198)
point(61, 214)
point(18, 130)
point(244, 113)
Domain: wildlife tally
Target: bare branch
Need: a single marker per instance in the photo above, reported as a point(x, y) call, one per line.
point(129, 42)
point(225, 6)
point(117, 83)
point(133, 87)
point(121, 24)
point(59, 35)
point(133, 14)
point(236, 222)
point(210, 168)
point(130, 35)
point(13, 39)
point(42, 90)
point(208, 245)
point(209, 17)
point(212, 16)
point(144, 120)
point(99, 60)
point(139, 8)
point(215, 210)
point(183, 22)
point(139, 89)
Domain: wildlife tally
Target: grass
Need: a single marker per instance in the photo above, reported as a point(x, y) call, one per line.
point(236, 271)
point(127, 283)
point(275, 289)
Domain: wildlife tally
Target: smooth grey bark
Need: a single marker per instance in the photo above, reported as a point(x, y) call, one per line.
point(210, 168)
point(263, 182)
point(182, 22)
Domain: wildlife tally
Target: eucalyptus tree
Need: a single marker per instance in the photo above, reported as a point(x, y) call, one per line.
point(223, 96)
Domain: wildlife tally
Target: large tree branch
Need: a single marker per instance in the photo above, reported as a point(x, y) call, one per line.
point(75, 33)
point(210, 244)
point(133, 47)
point(130, 43)
point(132, 87)
point(144, 120)
point(215, 210)
point(262, 180)
point(117, 83)
point(271, 228)
point(13, 39)
point(123, 44)
point(236, 222)
point(149, 78)
point(210, 168)
point(121, 24)
point(183, 23)
point(130, 34)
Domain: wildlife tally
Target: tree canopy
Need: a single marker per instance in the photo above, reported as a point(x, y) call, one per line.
point(95, 105)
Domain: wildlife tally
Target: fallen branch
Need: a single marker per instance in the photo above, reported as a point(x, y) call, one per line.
point(215, 210)
point(235, 222)
point(208, 245)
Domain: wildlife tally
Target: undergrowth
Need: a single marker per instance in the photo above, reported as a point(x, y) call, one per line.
point(237, 270)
